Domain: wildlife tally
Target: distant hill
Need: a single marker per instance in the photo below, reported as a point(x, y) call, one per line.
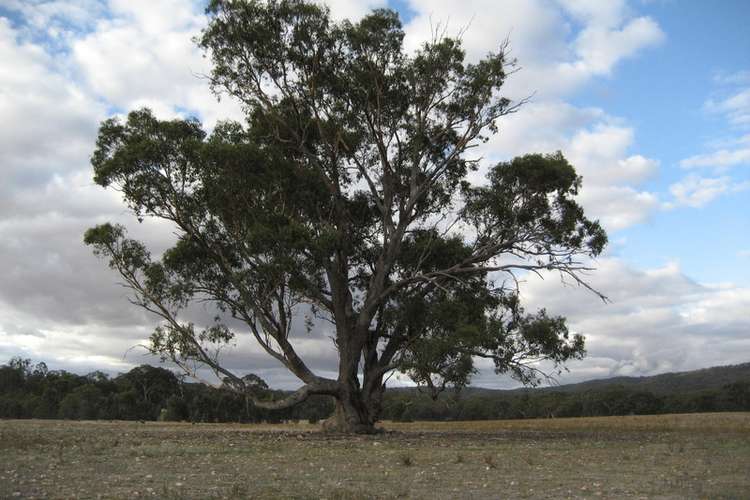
point(662, 385)
point(668, 383)
point(722, 388)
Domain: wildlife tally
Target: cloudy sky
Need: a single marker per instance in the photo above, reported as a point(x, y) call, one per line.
point(650, 100)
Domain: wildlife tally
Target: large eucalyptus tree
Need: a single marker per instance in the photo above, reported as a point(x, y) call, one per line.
point(345, 193)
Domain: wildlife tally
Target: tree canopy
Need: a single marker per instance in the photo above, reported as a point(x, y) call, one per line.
point(345, 193)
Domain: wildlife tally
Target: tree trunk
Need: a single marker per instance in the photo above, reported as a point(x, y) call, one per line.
point(357, 407)
point(355, 413)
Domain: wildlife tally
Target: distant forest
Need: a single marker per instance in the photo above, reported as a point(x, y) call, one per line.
point(152, 393)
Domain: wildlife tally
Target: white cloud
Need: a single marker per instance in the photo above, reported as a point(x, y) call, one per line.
point(618, 207)
point(51, 121)
point(556, 56)
point(726, 153)
point(738, 78)
point(157, 63)
point(59, 20)
point(597, 146)
point(605, 14)
point(601, 155)
point(353, 9)
point(600, 48)
point(718, 159)
point(559, 48)
point(695, 191)
point(658, 320)
point(735, 107)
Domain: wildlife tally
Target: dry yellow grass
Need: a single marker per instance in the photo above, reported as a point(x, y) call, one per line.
point(673, 456)
point(735, 422)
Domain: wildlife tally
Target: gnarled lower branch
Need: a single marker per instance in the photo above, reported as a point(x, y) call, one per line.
point(322, 386)
point(296, 397)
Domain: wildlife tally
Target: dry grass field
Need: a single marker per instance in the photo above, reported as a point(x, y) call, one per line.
point(669, 456)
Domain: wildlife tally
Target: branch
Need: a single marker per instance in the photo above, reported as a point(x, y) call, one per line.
point(238, 385)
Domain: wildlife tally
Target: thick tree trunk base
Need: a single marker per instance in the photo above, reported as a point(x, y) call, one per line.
point(347, 421)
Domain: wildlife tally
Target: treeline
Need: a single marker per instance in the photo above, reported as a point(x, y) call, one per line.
point(409, 405)
point(143, 393)
point(153, 393)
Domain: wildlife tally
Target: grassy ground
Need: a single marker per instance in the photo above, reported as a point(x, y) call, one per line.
point(670, 456)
